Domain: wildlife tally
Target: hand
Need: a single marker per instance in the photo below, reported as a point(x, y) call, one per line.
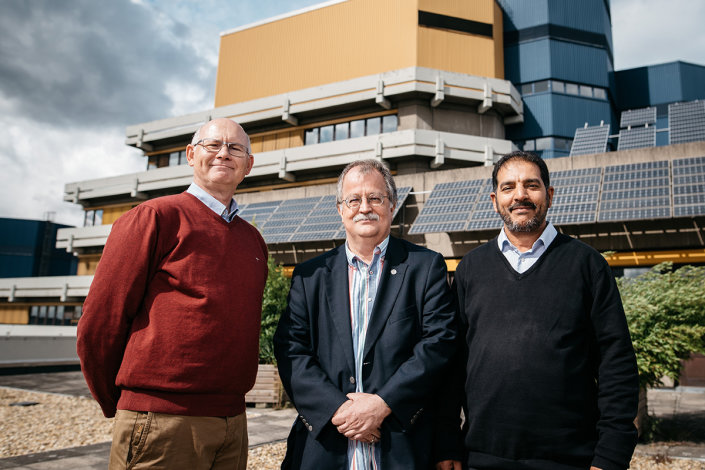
point(595, 468)
point(362, 419)
point(449, 465)
point(336, 420)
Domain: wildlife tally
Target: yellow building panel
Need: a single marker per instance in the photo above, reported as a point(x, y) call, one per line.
point(87, 264)
point(326, 45)
point(14, 314)
point(456, 52)
point(111, 214)
point(651, 258)
point(498, 34)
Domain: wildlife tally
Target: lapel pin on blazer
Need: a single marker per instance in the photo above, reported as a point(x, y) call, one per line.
point(394, 271)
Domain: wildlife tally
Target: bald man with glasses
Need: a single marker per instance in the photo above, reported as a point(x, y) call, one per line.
point(169, 335)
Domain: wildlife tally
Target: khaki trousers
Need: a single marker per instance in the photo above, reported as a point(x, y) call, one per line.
point(162, 441)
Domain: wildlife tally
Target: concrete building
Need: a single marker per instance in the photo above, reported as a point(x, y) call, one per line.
point(437, 90)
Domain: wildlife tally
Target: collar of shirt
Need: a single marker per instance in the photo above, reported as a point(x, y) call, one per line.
point(213, 204)
point(380, 250)
point(546, 238)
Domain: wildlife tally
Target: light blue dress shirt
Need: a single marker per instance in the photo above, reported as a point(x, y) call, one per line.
point(227, 213)
point(363, 282)
point(523, 261)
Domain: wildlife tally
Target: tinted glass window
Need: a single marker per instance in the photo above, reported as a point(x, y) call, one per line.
point(357, 128)
point(390, 123)
point(326, 134)
point(374, 126)
point(311, 137)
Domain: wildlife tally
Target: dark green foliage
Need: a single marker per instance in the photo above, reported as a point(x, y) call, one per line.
point(273, 304)
point(665, 310)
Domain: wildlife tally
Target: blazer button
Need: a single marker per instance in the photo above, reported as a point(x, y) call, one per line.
point(352, 379)
point(310, 428)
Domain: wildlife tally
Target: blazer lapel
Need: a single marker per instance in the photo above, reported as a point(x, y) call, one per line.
point(391, 282)
point(339, 302)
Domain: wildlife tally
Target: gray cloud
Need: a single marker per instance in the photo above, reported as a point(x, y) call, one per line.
point(87, 63)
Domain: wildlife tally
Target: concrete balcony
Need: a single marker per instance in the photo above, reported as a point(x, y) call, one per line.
point(49, 288)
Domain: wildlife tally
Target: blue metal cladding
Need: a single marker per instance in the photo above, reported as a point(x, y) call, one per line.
point(549, 59)
point(22, 250)
point(558, 115)
point(659, 84)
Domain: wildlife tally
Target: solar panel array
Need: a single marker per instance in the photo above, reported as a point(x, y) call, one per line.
point(576, 193)
point(636, 137)
point(637, 117)
point(589, 140)
point(686, 122)
point(689, 187)
point(637, 191)
point(306, 219)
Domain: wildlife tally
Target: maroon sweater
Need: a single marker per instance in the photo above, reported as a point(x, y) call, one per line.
point(171, 321)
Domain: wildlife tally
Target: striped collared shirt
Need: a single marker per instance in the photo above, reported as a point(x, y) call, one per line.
point(227, 213)
point(363, 282)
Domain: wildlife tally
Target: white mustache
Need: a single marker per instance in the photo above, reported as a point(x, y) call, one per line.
point(370, 216)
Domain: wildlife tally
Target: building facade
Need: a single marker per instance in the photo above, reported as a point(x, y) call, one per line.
point(437, 90)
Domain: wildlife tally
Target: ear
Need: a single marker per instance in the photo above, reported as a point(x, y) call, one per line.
point(549, 192)
point(340, 208)
point(493, 197)
point(250, 163)
point(189, 154)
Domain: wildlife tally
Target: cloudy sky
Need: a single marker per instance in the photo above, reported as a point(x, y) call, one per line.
point(75, 73)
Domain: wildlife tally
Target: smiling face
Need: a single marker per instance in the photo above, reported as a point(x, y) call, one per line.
point(372, 223)
point(219, 173)
point(521, 198)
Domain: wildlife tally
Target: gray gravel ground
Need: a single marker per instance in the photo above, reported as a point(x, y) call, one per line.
point(60, 421)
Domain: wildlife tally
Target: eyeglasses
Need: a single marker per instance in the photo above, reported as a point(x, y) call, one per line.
point(354, 202)
point(214, 146)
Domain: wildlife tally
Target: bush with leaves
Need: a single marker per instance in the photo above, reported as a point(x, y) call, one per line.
point(665, 310)
point(273, 305)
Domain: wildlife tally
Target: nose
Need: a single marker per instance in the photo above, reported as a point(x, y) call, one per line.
point(364, 205)
point(223, 152)
point(520, 193)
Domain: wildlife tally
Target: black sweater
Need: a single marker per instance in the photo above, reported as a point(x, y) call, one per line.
point(551, 379)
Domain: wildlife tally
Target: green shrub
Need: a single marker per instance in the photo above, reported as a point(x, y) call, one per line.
point(273, 305)
point(665, 310)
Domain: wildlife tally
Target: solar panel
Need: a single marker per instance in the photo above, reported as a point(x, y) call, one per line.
point(590, 140)
point(561, 198)
point(637, 117)
point(489, 224)
point(568, 208)
point(688, 211)
point(644, 174)
point(652, 213)
point(634, 184)
point(636, 138)
point(576, 218)
point(636, 167)
point(402, 194)
point(314, 236)
point(688, 161)
point(686, 122)
point(634, 203)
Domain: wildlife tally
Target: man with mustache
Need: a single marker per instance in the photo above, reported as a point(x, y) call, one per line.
point(364, 342)
point(169, 335)
point(549, 373)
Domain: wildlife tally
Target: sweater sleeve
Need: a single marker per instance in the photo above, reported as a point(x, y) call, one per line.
point(617, 376)
point(114, 299)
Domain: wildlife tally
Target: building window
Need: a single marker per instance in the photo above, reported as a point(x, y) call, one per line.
point(93, 217)
point(390, 123)
point(311, 136)
point(54, 314)
point(557, 87)
point(586, 91)
point(357, 128)
point(161, 160)
point(600, 93)
point(342, 131)
point(351, 129)
point(326, 134)
point(572, 88)
point(540, 87)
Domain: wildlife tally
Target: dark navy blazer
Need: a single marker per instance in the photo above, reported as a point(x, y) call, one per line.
point(410, 339)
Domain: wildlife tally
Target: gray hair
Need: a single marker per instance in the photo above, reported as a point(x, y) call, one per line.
point(365, 167)
point(197, 135)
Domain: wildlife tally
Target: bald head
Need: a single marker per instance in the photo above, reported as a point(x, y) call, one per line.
point(226, 123)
